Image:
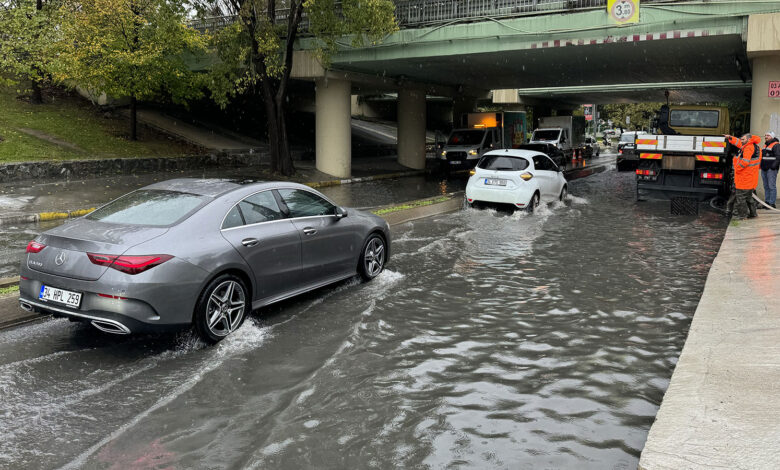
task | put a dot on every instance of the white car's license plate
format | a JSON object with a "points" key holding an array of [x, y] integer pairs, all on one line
{"points": [[455, 162], [60, 296], [495, 182]]}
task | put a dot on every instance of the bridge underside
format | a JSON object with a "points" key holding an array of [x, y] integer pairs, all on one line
{"points": [[693, 69]]}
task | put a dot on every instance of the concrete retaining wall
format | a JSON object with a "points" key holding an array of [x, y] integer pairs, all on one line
{"points": [[82, 168]]}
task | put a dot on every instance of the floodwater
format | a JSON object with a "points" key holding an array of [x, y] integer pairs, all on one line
{"points": [[370, 194], [491, 341]]}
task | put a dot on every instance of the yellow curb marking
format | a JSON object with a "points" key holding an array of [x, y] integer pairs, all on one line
{"points": [[52, 215], [63, 215]]}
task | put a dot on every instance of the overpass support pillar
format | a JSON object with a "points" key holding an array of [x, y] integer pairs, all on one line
{"points": [[763, 48], [411, 128], [333, 129]]}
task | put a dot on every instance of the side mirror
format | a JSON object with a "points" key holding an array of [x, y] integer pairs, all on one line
{"points": [[341, 212]]}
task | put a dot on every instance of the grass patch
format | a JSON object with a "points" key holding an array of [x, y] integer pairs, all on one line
{"points": [[9, 290], [75, 121], [411, 205]]}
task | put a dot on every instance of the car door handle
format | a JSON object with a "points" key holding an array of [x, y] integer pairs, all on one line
{"points": [[309, 231], [249, 242]]}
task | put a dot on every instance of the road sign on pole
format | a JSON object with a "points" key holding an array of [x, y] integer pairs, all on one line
{"points": [[623, 11]]}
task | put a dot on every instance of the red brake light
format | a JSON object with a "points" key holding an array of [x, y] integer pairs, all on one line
{"points": [[35, 247], [128, 264]]}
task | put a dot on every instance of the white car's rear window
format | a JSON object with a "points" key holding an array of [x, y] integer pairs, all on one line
{"points": [[503, 163]]}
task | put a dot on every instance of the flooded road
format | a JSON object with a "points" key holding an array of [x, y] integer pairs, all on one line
{"points": [[491, 341], [371, 194]]}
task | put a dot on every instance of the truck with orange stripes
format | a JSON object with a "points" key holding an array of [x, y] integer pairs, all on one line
{"points": [[687, 156]]}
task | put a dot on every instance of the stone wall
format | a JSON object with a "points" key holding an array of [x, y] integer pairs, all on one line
{"points": [[118, 166]]}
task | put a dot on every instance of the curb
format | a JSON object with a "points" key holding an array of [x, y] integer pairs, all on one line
{"points": [[9, 281], [325, 184], [42, 216]]}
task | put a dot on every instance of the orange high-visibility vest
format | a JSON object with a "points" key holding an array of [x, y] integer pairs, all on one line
{"points": [[746, 162]]}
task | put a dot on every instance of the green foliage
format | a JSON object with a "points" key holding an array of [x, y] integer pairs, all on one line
{"points": [[76, 122], [9, 290], [28, 41], [640, 114], [130, 48], [254, 48]]}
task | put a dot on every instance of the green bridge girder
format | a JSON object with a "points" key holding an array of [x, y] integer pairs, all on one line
{"points": [[555, 52]]}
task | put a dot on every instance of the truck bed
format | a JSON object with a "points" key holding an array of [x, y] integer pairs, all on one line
{"points": [[681, 144]]}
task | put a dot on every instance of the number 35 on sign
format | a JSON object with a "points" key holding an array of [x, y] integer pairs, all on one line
{"points": [[623, 11]]}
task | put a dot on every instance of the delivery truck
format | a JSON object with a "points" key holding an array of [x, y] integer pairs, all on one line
{"points": [[566, 133], [482, 132]]}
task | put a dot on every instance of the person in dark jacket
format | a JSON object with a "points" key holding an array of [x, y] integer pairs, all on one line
{"points": [[770, 163]]}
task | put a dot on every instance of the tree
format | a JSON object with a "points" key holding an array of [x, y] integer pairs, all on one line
{"points": [[28, 38], [131, 48], [257, 50], [640, 114]]}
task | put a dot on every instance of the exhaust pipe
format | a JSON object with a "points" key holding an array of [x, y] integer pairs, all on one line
{"points": [[110, 326], [25, 306]]}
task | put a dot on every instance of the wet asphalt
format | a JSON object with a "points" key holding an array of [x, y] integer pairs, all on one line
{"points": [[72, 194], [492, 340]]}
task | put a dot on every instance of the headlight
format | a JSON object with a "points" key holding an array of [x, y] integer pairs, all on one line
{"points": [[472, 172], [472, 152], [443, 153]]}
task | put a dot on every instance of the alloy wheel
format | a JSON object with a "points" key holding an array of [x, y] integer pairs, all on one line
{"points": [[225, 308], [374, 257]]}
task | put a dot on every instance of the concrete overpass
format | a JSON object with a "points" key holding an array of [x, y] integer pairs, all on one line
{"points": [[553, 53]]}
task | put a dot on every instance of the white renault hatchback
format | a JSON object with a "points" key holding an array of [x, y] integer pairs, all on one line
{"points": [[522, 178]]}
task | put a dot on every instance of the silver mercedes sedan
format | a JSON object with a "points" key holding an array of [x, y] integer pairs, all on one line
{"points": [[198, 252]]}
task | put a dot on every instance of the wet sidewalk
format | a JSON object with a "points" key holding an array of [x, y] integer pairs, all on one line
{"points": [[721, 408]]}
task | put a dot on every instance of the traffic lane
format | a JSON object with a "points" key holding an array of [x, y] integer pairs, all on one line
{"points": [[14, 238], [77, 397], [490, 339]]}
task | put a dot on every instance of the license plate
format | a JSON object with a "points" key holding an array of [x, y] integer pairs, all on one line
{"points": [[495, 182], [455, 162], [60, 296]]}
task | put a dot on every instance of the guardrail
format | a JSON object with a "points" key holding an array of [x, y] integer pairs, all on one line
{"points": [[416, 13], [411, 13]]}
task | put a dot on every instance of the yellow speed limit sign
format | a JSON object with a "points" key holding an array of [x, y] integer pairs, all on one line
{"points": [[623, 11]]}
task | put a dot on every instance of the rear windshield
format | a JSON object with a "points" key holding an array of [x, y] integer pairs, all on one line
{"points": [[546, 135], [149, 207], [626, 137], [503, 163], [694, 118], [466, 137]]}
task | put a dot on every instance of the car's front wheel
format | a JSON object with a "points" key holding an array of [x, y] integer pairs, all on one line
{"points": [[221, 308], [373, 257]]}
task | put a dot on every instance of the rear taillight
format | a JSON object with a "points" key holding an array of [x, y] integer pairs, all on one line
{"points": [[712, 176], [646, 172], [128, 264], [35, 247]]}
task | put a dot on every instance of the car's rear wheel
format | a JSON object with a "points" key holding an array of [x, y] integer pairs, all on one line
{"points": [[563, 193], [534, 203], [221, 308], [373, 257]]}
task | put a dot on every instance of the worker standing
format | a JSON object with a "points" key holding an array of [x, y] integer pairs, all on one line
{"points": [[770, 163], [746, 165]]}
